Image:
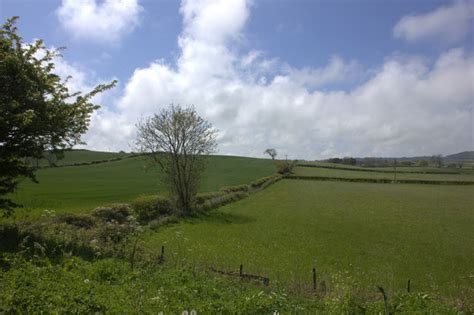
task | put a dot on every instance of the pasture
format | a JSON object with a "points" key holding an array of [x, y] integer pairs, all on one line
{"points": [[357, 235], [412, 175], [81, 188]]}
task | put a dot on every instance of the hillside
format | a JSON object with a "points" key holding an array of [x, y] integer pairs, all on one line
{"points": [[80, 188], [460, 157]]}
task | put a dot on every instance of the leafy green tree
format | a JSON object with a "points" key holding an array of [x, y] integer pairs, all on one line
{"points": [[38, 113], [177, 140]]}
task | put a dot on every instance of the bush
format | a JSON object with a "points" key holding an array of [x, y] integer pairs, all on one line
{"points": [[78, 220], [222, 200], [203, 197], [235, 188], [285, 167], [149, 208], [118, 212], [265, 181]]}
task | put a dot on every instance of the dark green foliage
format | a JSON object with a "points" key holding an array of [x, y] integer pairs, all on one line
{"points": [[150, 208], [37, 111], [78, 220], [118, 212]]}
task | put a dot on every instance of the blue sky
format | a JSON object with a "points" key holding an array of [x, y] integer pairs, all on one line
{"points": [[311, 78]]}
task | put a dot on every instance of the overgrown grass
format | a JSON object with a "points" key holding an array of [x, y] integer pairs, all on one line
{"points": [[81, 188], [356, 235], [111, 286]]}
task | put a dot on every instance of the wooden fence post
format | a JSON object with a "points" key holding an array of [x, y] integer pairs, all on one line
{"points": [[315, 285], [241, 270]]}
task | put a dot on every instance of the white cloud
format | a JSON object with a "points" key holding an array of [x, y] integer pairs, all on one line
{"points": [[100, 21], [406, 107], [446, 23], [336, 71]]}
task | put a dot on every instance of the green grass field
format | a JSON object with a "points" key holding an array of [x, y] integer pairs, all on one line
{"points": [[412, 169], [84, 156], [324, 172], [355, 234], [81, 188]]}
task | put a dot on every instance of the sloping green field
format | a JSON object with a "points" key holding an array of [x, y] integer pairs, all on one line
{"points": [[83, 156], [356, 235], [80, 188]]}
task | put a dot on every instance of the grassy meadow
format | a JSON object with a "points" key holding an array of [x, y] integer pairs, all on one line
{"points": [[356, 234], [81, 188]]}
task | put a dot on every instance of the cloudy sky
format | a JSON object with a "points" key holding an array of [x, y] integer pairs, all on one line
{"points": [[312, 79]]}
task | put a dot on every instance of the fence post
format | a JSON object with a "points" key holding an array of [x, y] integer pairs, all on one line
{"points": [[315, 286], [408, 286], [241, 270], [161, 258]]}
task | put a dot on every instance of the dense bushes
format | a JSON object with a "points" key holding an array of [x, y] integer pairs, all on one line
{"points": [[78, 220], [149, 208], [212, 200], [229, 189], [285, 167], [221, 200], [117, 212], [265, 181]]}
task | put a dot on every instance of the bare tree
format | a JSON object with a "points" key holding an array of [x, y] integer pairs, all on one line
{"points": [[177, 139], [271, 152]]}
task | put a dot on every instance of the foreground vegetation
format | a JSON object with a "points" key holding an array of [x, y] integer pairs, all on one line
{"points": [[111, 286]]}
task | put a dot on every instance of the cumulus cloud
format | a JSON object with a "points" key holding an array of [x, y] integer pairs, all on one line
{"points": [[446, 23], [408, 106], [100, 21]]}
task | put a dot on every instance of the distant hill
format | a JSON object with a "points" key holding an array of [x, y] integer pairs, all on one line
{"points": [[466, 156], [459, 157]]}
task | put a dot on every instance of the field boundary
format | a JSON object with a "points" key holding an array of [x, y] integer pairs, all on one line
{"points": [[376, 171], [380, 180]]}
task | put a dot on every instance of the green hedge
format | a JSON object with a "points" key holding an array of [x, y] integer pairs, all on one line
{"points": [[265, 181], [221, 200], [149, 208], [383, 180], [118, 212], [373, 170], [229, 189]]}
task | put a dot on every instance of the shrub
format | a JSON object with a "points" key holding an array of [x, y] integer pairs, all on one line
{"points": [[164, 220], [203, 197], [77, 220], [149, 208], [222, 200], [235, 188], [265, 181], [118, 212]]}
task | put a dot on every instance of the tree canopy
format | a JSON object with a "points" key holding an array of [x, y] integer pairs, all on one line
{"points": [[177, 139], [38, 113]]}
